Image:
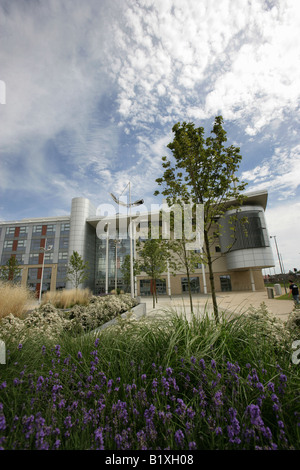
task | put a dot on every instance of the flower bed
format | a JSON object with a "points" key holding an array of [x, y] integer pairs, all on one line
{"points": [[51, 322], [158, 384]]}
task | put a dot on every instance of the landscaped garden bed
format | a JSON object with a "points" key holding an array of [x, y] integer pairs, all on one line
{"points": [[159, 383]]}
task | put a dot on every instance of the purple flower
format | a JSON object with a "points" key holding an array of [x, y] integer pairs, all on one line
{"points": [[79, 355], [192, 445], [2, 418], [179, 438], [99, 438], [68, 422]]}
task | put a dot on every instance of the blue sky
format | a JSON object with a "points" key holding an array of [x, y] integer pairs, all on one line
{"points": [[93, 89]]}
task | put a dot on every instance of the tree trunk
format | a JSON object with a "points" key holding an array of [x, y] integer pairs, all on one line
{"points": [[153, 292], [188, 277], [211, 277]]}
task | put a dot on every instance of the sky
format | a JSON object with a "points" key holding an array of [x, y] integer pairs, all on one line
{"points": [[90, 91]]}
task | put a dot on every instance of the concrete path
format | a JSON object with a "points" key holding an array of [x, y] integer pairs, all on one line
{"points": [[237, 302]]}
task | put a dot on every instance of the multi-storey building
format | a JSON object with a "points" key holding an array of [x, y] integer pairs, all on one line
{"points": [[47, 244]]}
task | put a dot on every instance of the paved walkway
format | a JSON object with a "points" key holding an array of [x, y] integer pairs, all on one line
{"points": [[237, 302]]}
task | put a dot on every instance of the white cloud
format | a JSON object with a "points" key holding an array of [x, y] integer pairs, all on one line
{"points": [[104, 82], [280, 174]]}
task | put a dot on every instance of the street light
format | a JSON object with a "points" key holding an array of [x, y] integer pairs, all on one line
{"points": [[116, 267], [131, 204], [106, 229], [280, 261], [45, 250]]}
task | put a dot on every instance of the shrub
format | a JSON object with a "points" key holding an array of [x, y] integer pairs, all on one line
{"points": [[48, 321], [14, 299]]}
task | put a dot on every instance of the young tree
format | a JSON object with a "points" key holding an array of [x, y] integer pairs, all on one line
{"points": [[182, 258], [77, 269], [204, 172], [154, 256], [11, 270], [125, 270]]}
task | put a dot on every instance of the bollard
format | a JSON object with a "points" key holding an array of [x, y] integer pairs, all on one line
{"points": [[270, 292]]}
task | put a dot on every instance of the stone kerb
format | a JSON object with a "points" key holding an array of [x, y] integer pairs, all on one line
{"points": [[138, 312], [2, 352]]}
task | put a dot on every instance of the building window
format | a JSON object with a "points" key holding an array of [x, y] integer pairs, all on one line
{"points": [[5, 258], [63, 257], [37, 229], [10, 232], [20, 258], [61, 272], [48, 258], [145, 287], [34, 258], [65, 227], [23, 231], [51, 228], [21, 245], [225, 282], [194, 283], [50, 242], [47, 273], [249, 234], [64, 243], [8, 244], [32, 274], [35, 244]]}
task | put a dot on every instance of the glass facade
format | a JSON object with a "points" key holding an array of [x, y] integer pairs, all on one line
{"points": [[225, 282], [123, 249], [194, 283], [249, 234]]}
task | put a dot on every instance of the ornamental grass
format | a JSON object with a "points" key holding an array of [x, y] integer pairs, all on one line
{"points": [[163, 383], [67, 298], [14, 299]]}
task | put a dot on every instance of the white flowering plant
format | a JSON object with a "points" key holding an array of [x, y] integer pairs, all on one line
{"points": [[51, 322]]}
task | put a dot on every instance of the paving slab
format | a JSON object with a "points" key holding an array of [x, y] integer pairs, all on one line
{"points": [[237, 302]]}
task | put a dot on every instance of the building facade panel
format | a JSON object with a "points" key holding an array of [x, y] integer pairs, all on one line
{"points": [[236, 269]]}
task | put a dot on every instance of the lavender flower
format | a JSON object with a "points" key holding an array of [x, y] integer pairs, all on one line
{"points": [[179, 438]]}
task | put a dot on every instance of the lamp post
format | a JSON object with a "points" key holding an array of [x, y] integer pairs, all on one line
{"points": [[45, 250], [280, 261], [106, 229], [116, 265], [131, 204]]}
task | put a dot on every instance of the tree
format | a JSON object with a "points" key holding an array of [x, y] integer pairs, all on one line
{"points": [[125, 270], [77, 269], [11, 270], [183, 259], [154, 257], [204, 172]]}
